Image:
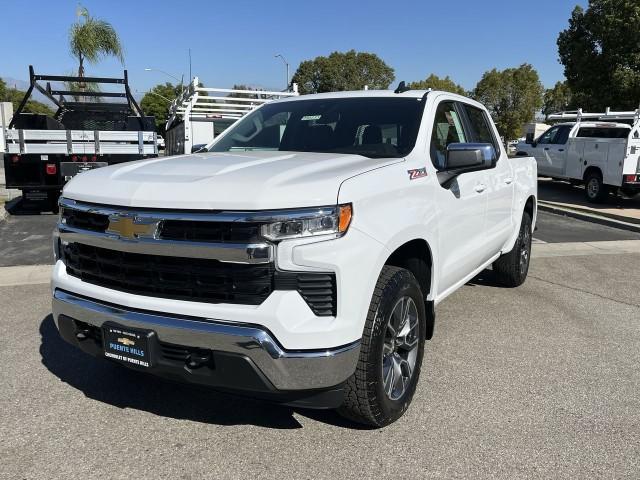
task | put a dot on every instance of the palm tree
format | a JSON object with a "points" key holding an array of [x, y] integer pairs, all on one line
{"points": [[91, 39]]}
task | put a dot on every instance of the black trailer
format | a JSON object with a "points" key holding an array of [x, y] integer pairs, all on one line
{"points": [[90, 129]]}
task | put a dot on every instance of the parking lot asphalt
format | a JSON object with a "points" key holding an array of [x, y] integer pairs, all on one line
{"points": [[535, 382]]}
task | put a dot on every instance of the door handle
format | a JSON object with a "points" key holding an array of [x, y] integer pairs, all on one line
{"points": [[481, 187], [546, 148], [508, 180], [561, 149]]}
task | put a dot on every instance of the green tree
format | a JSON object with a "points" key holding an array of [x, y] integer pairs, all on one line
{"points": [[91, 39], [558, 99], [343, 71], [436, 83], [156, 102], [600, 51], [512, 96], [15, 96]]}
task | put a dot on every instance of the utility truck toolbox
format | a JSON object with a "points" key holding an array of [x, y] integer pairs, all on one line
{"points": [[301, 256]]}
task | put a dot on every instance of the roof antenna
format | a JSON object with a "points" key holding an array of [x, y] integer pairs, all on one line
{"points": [[402, 87]]}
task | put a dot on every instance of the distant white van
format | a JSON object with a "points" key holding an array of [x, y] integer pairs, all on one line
{"points": [[603, 152]]}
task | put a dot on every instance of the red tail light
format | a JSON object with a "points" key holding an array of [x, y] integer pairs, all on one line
{"points": [[630, 178], [74, 158], [51, 169], [15, 158], [84, 158], [94, 158]]}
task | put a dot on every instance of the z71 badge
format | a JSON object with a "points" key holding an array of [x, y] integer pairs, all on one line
{"points": [[417, 173]]}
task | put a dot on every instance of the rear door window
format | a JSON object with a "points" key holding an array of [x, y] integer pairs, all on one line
{"points": [[603, 132], [447, 129], [481, 131]]}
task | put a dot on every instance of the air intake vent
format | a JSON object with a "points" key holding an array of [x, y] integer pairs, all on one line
{"points": [[317, 289]]}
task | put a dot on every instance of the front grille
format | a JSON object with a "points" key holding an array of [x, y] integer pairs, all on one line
{"points": [[94, 222], [175, 230], [192, 279], [202, 231]]}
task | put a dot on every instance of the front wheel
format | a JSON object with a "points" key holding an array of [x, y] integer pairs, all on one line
{"points": [[382, 387], [511, 268]]}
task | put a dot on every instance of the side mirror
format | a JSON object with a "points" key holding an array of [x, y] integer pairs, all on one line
{"points": [[468, 157], [534, 144]]}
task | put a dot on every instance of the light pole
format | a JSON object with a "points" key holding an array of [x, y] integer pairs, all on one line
{"points": [[168, 75], [287, 64]]}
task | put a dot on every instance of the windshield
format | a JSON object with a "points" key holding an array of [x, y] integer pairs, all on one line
{"points": [[370, 126]]}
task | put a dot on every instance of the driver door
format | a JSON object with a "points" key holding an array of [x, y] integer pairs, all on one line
{"points": [[462, 204]]}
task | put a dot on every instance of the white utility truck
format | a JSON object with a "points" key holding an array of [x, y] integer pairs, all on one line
{"points": [[600, 149], [200, 114], [300, 258]]}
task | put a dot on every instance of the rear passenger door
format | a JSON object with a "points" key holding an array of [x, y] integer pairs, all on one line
{"points": [[461, 204]]}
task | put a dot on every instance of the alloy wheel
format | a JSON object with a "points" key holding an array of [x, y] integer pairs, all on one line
{"points": [[400, 348]]}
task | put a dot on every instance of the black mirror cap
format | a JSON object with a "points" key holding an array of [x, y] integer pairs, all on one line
{"points": [[470, 156]]}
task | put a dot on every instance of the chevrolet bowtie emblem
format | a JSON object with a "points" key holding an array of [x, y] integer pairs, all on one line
{"points": [[126, 341], [130, 227]]}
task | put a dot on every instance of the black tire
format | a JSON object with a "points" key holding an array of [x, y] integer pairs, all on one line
{"points": [[511, 268], [595, 190], [366, 400]]}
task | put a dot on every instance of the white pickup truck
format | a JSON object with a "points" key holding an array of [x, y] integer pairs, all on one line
{"points": [[601, 150], [299, 259]]}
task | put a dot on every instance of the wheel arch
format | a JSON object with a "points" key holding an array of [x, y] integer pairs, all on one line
{"points": [[416, 256], [591, 169]]}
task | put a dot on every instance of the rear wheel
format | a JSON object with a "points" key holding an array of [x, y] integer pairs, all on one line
{"points": [[511, 268], [382, 387], [595, 189]]}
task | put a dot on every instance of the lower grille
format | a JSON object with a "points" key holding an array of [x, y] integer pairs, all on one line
{"points": [[199, 280], [196, 280]]}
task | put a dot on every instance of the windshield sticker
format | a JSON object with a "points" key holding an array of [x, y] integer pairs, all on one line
{"points": [[417, 173], [311, 117]]}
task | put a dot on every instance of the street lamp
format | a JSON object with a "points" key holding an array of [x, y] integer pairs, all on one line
{"points": [[287, 64]]}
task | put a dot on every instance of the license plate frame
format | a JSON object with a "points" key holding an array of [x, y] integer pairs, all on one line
{"points": [[129, 346]]}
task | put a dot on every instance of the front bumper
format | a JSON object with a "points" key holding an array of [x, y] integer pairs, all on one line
{"points": [[244, 357]]}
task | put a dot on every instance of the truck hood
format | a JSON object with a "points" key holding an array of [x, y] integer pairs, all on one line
{"points": [[223, 181]]}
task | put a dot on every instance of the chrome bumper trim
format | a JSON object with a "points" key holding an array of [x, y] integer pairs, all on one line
{"points": [[286, 370], [252, 253]]}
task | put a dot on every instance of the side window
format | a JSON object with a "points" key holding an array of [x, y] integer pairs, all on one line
{"points": [[480, 126], [447, 128], [562, 136], [548, 136]]}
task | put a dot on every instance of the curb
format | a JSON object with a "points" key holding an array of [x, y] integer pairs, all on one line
{"points": [[606, 220]]}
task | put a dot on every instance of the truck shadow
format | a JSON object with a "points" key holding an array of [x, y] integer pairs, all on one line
{"points": [[105, 382], [485, 278], [19, 206]]}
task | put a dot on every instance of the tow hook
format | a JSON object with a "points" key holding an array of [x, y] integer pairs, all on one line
{"points": [[82, 334], [196, 360]]}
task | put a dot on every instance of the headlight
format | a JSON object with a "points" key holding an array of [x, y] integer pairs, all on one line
{"points": [[309, 222]]}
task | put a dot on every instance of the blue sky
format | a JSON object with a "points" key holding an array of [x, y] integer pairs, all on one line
{"points": [[235, 42]]}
